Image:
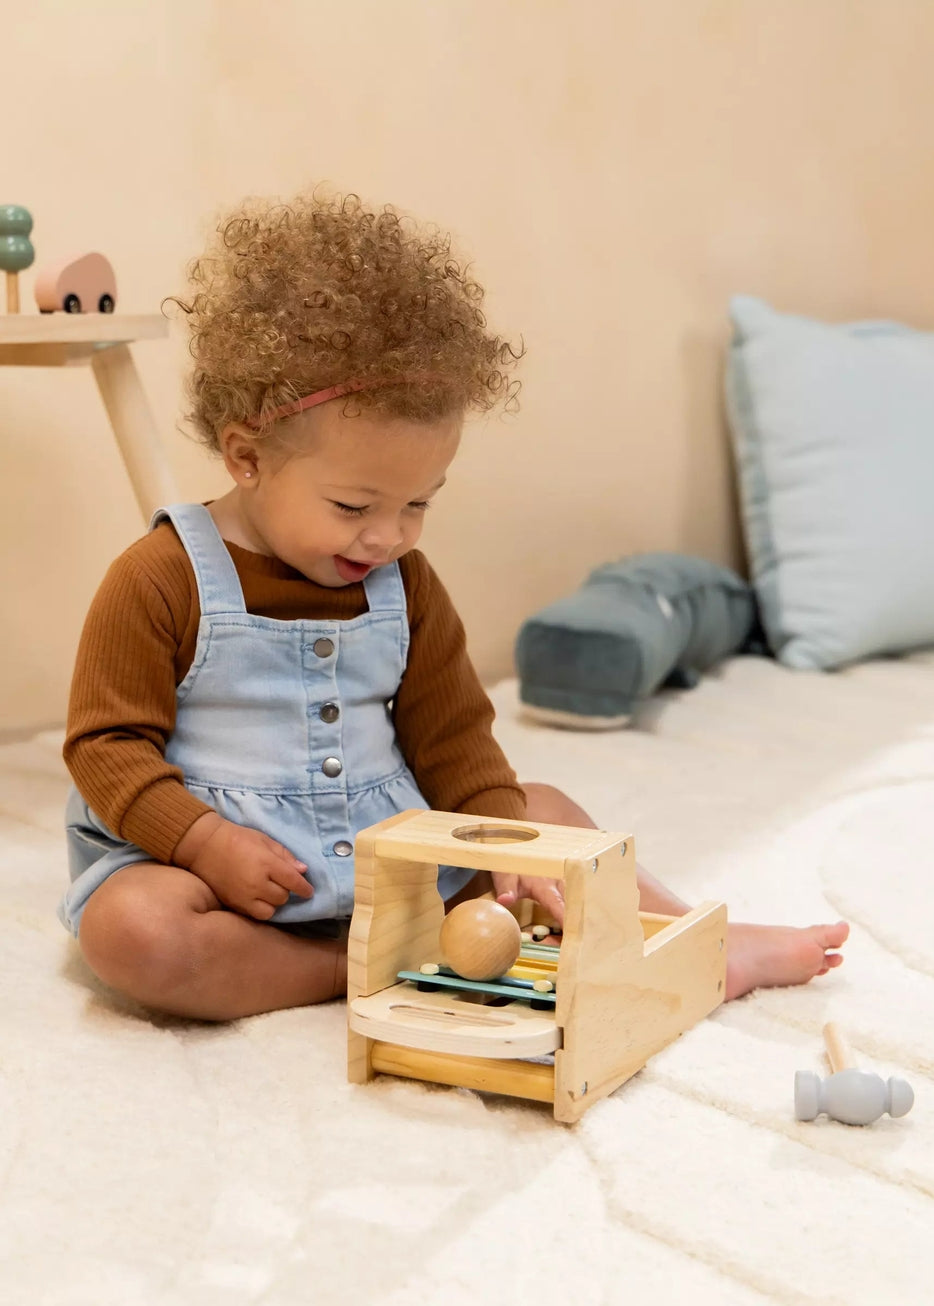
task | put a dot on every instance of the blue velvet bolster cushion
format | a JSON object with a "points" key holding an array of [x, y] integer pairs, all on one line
{"points": [[631, 626]]}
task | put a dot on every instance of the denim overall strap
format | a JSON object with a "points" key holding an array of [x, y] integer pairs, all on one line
{"points": [[219, 589], [385, 592]]}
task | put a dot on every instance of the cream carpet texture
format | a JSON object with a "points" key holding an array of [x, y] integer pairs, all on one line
{"points": [[155, 1161]]}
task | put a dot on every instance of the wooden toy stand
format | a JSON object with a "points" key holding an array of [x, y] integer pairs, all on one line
{"points": [[102, 340], [626, 984]]}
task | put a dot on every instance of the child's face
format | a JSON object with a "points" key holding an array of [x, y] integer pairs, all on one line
{"points": [[352, 496]]}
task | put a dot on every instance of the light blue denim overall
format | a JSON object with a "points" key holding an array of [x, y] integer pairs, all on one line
{"points": [[284, 726]]}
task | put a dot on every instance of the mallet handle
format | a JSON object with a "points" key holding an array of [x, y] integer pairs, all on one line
{"points": [[838, 1051]]}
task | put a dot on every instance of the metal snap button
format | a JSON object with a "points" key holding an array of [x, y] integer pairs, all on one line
{"points": [[332, 766], [323, 647], [329, 712], [343, 848]]}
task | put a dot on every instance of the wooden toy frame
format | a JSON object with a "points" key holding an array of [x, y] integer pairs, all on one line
{"points": [[627, 983]]}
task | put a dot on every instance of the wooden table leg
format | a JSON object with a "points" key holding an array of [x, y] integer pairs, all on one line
{"points": [[134, 428]]}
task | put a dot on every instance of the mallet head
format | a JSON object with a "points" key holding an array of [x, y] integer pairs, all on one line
{"points": [[854, 1097]]}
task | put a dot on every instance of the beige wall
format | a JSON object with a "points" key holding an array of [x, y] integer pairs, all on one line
{"points": [[616, 170]]}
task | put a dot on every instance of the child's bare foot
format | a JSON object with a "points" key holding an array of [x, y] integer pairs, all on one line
{"points": [[770, 956]]}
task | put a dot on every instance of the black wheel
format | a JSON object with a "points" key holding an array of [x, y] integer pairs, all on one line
{"points": [[71, 304], [105, 304]]}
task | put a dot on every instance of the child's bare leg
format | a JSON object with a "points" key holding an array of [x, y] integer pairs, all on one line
{"points": [[758, 956], [159, 935]]}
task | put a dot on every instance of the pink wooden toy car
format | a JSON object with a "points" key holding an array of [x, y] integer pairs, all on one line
{"points": [[77, 285]]}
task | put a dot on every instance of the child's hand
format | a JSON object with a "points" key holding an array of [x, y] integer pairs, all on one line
{"points": [[246, 869], [547, 893]]}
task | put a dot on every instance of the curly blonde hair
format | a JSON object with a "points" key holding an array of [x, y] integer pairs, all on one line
{"points": [[293, 298]]}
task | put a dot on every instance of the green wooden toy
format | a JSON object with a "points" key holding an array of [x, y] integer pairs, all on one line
{"points": [[16, 251]]}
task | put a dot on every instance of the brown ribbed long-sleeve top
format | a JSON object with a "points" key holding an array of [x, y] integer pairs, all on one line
{"points": [[138, 643]]}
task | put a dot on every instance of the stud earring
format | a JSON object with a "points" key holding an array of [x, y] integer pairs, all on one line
{"points": [[247, 475]]}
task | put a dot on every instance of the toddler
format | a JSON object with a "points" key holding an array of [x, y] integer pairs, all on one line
{"points": [[261, 677]]}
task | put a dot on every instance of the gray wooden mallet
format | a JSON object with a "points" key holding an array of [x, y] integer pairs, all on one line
{"points": [[850, 1095]]}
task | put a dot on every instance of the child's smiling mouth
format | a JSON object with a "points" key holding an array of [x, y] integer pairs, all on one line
{"points": [[349, 570]]}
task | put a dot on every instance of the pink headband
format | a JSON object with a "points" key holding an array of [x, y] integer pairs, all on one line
{"points": [[296, 406]]}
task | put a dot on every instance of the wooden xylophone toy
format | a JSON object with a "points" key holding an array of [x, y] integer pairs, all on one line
{"points": [[563, 1025]]}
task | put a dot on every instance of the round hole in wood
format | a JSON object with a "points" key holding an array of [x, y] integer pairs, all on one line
{"points": [[494, 833]]}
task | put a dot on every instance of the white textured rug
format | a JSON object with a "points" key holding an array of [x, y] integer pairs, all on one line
{"points": [[172, 1164]]}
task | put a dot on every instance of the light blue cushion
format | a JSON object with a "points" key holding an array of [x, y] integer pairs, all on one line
{"points": [[833, 429]]}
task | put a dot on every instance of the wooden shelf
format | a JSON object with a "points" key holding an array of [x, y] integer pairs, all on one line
{"points": [[103, 340], [67, 339], [80, 328]]}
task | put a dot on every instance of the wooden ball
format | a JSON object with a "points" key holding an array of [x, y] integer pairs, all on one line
{"points": [[480, 939]]}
